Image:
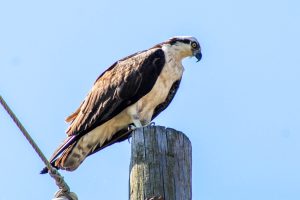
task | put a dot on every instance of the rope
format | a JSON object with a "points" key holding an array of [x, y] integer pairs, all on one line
{"points": [[64, 190]]}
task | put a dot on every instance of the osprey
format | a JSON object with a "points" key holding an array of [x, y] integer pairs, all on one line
{"points": [[128, 95]]}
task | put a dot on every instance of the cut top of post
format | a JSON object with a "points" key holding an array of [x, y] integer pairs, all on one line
{"points": [[161, 164]]}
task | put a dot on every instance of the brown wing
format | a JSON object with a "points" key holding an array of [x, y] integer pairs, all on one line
{"points": [[120, 86], [125, 134]]}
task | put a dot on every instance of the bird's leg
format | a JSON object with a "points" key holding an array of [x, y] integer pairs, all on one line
{"points": [[138, 124], [136, 121]]}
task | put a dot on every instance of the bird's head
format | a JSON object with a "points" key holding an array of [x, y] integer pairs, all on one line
{"points": [[183, 46]]}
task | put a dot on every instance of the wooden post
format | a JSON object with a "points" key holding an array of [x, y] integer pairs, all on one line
{"points": [[161, 164]]}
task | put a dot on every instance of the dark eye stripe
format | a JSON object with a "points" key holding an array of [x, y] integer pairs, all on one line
{"points": [[174, 40], [186, 41]]}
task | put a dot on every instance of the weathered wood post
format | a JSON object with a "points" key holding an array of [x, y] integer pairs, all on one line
{"points": [[161, 164]]}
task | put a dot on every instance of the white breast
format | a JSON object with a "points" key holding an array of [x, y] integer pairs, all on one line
{"points": [[171, 72]]}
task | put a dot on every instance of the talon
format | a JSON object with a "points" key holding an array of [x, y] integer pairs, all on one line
{"points": [[131, 127], [152, 124]]}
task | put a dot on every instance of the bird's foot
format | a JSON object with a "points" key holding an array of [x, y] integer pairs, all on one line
{"points": [[152, 124], [131, 127]]}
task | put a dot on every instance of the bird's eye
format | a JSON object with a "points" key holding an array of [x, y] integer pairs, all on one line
{"points": [[194, 45]]}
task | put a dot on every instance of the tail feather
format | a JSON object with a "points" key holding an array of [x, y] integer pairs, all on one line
{"points": [[62, 150], [45, 170]]}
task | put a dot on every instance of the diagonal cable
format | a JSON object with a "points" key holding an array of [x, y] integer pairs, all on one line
{"points": [[63, 186]]}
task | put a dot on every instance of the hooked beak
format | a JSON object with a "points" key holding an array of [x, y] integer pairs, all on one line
{"points": [[198, 54]]}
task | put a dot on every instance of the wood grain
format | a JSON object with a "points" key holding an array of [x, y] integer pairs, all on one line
{"points": [[161, 164]]}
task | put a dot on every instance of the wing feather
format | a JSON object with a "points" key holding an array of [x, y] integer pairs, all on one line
{"points": [[120, 86], [117, 88]]}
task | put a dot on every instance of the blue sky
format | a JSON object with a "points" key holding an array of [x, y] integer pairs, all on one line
{"points": [[239, 106]]}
